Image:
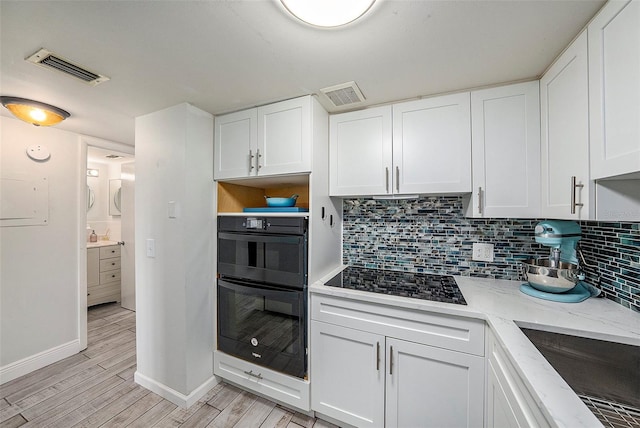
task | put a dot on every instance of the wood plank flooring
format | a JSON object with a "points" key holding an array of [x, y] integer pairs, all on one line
{"points": [[96, 389]]}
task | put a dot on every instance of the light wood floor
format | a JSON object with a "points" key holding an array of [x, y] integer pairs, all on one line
{"points": [[96, 389]]}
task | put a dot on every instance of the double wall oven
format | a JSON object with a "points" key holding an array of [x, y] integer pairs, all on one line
{"points": [[262, 291]]}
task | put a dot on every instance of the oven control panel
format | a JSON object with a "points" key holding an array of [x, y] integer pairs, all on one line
{"points": [[255, 223]]}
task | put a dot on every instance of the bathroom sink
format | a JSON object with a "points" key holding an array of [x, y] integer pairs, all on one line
{"points": [[605, 375]]}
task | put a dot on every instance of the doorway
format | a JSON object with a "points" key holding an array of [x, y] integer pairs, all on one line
{"points": [[109, 216]]}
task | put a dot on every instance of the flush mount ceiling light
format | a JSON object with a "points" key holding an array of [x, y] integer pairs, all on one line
{"points": [[327, 13], [34, 112]]}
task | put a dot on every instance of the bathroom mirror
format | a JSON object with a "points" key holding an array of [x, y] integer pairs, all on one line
{"points": [[91, 198], [114, 197]]}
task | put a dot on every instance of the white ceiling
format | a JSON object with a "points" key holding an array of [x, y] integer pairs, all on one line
{"points": [[223, 56]]}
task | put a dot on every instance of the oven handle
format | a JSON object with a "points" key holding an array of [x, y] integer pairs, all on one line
{"points": [[283, 239], [269, 290]]}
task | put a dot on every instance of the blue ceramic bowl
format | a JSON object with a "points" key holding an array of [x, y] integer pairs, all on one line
{"points": [[281, 202]]}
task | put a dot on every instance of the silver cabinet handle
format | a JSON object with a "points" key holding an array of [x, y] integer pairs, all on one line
{"points": [[387, 178], [480, 200], [258, 156], [397, 178], [378, 356], [251, 373], [251, 156], [574, 186], [391, 360]]}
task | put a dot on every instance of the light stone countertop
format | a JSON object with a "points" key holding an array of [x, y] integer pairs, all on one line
{"points": [[101, 244], [501, 304]]}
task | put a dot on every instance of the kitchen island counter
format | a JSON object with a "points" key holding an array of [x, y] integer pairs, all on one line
{"points": [[505, 309]]}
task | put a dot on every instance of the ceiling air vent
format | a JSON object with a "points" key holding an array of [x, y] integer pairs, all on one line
{"points": [[344, 94], [51, 60]]}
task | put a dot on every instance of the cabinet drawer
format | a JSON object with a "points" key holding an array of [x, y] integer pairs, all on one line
{"points": [[103, 294], [428, 328], [110, 251], [269, 383], [112, 276], [109, 264]]}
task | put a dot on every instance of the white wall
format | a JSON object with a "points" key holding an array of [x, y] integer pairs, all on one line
{"points": [[39, 265], [174, 289]]}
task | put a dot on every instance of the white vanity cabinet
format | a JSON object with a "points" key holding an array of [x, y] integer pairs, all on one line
{"points": [[508, 403], [614, 89], [269, 140], [415, 147], [375, 365], [103, 274], [506, 151], [567, 191]]}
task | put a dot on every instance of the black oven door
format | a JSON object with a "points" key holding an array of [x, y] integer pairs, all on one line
{"points": [[274, 259], [264, 325]]}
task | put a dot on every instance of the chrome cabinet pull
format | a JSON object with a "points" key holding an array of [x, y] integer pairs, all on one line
{"points": [[251, 156], [387, 178], [574, 186], [480, 200], [391, 360], [378, 356], [258, 156], [251, 373], [397, 178]]}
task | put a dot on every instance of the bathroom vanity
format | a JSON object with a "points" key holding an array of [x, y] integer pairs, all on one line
{"points": [[103, 272]]}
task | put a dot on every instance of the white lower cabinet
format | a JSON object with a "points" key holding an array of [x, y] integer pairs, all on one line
{"points": [[347, 374], [508, 402], [386, 373], [263, 381]]}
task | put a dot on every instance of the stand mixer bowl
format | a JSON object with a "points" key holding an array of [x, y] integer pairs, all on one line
{"points": [[542, 276]]}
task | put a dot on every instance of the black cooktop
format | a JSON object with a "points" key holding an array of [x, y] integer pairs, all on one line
{"points": [[439, 288]]}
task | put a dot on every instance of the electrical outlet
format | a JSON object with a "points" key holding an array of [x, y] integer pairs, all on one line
{"points": [[482, 252]]}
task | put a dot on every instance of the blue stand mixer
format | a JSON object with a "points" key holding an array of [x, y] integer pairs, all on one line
{"points": [[557, 277]]}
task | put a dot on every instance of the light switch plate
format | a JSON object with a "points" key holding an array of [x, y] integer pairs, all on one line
{"points": [[151, 248], [482, 252]]}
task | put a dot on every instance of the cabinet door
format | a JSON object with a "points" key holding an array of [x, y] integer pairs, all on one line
{"points": [[347, 374], [564, 98], [432, 145], [506, 151], [360, 152], [235, 144], [93, 266], [614, 89], [499, 410], [432, 387], [284, 137]]}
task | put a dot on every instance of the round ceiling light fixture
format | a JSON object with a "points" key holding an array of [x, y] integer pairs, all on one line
{"points": [[34, 112], [327, 13]]}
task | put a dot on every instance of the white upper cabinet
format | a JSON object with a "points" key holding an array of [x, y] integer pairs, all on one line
{"points": [[264, 141], [432, 145], [567, 192], [284, 137], [506, 151], [418, 147], [360, 152], [614, 89], [236, 141]]}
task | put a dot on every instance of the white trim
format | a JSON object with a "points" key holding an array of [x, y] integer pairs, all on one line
{"points": [[34, 362], [184, 401], [82, 247]]}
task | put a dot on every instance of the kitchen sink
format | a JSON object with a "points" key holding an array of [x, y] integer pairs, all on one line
{"points": [[605, 375]]}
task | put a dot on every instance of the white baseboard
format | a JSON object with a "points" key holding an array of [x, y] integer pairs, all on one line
{"points": [[34, 362], [177, 398]]}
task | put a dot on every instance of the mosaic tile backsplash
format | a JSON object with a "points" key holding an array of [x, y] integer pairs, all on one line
{"points": [[431, 235]]}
